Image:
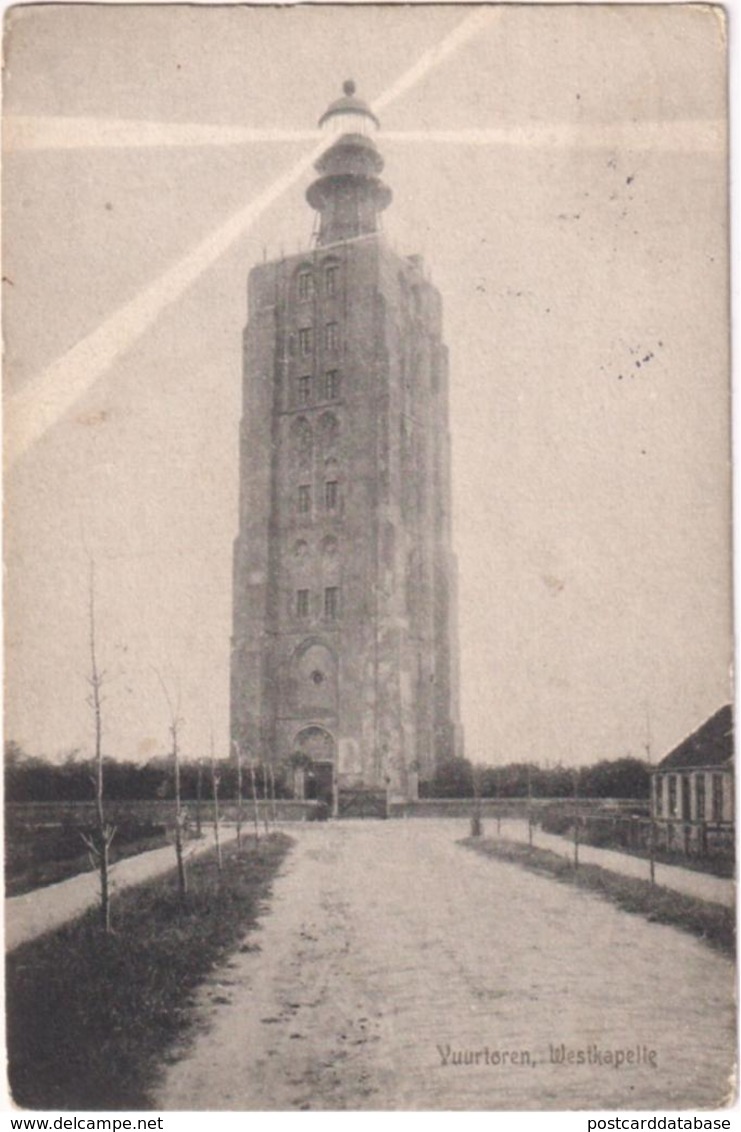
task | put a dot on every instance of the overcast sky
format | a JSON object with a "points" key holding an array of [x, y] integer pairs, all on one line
{"points": [[561, 169]]}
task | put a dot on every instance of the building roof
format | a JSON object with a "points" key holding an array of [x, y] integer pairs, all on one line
{"points": [[710, 746]]}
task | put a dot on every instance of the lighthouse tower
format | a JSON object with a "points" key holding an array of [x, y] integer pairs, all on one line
{"points": [[344, 649]]}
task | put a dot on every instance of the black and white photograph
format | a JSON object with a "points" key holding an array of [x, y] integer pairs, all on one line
{"points": [[368, 658]]}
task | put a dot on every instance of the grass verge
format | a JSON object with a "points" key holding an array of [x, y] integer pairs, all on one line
{"points": [[90, 1017], [712, 923]]}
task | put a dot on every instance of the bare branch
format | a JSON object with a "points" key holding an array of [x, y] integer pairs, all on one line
{"points": [[180, 817]]}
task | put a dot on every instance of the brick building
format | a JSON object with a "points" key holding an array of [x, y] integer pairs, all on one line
{"points": [[344, 653]]}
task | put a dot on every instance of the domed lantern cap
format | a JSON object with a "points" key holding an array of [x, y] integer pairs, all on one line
{"points": [[349, 105]]}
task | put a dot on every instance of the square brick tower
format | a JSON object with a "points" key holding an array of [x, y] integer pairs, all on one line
{"points": [[344, 658]]}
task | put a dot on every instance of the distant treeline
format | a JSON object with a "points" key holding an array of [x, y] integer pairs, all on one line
{"points": [[609, 778], [29, 778]]}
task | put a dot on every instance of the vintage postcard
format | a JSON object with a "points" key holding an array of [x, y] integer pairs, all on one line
{"points": [[368, 709]]}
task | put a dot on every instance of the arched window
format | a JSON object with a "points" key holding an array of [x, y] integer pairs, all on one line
{"points": [[331, 280], [302, 442], [304, 390], [329, 431], [316, 743], [304, 499], [305, 283], [331, 495], [331, 603], [314, 672], [332, 384]]}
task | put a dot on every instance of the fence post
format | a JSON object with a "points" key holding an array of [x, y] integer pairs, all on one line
{"points": [[529, 807], [476, 823], [199, 776], [499, 801], [576, 819]]}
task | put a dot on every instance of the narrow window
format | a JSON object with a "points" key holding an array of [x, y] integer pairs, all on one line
{"points": [[331, 337], [332, 384], [304, 499], [700, 796], [302, 603], [304, 390], [331, 603], [658, 792], [331, 495], [305, 341], [331, 277], [305, 285], [672, 795], [717, 797]]}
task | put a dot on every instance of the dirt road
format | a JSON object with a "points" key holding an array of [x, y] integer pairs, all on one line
{"points": [[397, 970]]}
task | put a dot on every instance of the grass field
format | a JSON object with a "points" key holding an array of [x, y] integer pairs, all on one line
{"points": [[90, 1017]]}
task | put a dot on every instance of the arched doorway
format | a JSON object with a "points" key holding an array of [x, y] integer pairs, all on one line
{"points": [[315, 753]]}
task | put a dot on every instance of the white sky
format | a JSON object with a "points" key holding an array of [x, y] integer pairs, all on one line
{"points": [[578, 228]]}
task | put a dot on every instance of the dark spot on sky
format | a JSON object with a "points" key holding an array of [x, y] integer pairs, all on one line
{"points": [[108, 206], [7, 279], [629, 180]]}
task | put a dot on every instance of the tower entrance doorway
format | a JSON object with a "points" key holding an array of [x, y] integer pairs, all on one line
{"points": [[318, 759]]}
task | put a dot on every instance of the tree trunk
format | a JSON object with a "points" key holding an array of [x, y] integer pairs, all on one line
{"points": [[239, 796], [199, 777], [255, 807], [272, 795], [215, 794], [105, 833], [266, 811]]}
